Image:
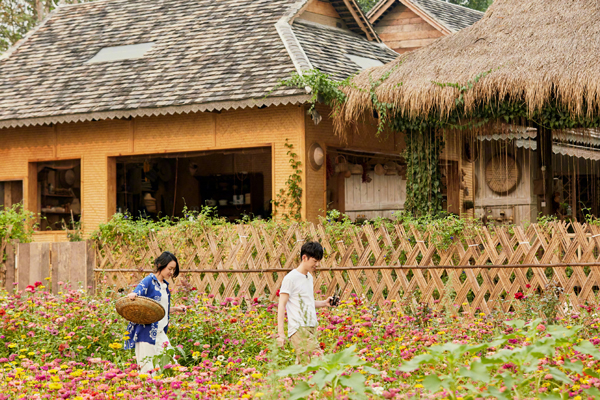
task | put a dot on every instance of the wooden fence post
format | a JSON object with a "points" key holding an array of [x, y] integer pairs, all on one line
{"points": [[9, 266]]}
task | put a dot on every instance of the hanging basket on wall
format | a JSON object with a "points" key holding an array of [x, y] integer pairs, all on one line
{"points": [[502, 173]]}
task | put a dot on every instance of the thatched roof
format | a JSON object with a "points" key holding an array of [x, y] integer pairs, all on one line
{"points": [[537, 49]]}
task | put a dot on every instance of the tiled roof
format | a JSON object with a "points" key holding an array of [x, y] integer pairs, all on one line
{"points": [[207, 54], [326, 48], [453, 17]]}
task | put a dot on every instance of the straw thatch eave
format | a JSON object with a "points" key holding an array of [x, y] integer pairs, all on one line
{"points": [[539, 52]]}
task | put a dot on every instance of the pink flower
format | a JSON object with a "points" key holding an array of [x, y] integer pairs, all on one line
{"points": [[540, 328]]}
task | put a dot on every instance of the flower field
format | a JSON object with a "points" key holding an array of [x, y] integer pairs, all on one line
{"points": [[70, 346]]}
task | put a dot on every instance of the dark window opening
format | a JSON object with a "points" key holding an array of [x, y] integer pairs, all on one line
{"points": [[59, 194], [236, 183]]}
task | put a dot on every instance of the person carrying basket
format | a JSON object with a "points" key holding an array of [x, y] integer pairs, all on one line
{"points": [[151, 339]]}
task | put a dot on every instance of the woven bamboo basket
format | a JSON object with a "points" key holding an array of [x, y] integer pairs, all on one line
{"points": [[502, 174], [141, 310]]}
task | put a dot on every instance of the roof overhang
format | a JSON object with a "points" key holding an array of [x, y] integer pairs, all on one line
{"points": [[385, 5], [149, 112]]}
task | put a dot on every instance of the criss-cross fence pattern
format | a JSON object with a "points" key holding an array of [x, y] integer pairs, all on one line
{"points": [[482, 269]]}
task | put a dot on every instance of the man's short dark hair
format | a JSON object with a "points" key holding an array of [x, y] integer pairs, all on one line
{"points": [[312, 250]]}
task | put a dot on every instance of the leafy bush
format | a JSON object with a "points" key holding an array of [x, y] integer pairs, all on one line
{"points": [[16, 223]]}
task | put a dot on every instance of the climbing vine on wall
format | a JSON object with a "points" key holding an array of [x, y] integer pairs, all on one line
{"points": [[288, 204], [423, 175]]}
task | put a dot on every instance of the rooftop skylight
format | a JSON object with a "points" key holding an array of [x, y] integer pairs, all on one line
{"points": [[364, 62], [118, 53]]}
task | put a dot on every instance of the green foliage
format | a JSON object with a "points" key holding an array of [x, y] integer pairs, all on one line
{"points": [[511, 372], [323, 89], [16, 223], [366, 5], [17, 17], [289, 199], [441, 229], [166, 360], [423, 175], [330, 373]]}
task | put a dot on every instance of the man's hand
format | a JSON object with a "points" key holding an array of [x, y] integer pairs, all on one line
{"points": [[132, 295], [281, 341]]}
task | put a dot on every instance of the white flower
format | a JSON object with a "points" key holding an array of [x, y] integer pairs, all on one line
{"points": [[378, 390], [221, 358]]}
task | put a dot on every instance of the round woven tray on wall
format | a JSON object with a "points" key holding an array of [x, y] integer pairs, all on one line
{"points": [[502, 173], [141, 310]]}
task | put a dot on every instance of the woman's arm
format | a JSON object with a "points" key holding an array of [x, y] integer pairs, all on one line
{"points": [[141, 289]]}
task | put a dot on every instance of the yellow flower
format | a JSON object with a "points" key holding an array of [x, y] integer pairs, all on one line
{"points": [[418, 386], [259, 394], [54, 386]]}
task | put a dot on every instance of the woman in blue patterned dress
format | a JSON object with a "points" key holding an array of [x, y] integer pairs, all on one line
{"points": [[150, 340]]}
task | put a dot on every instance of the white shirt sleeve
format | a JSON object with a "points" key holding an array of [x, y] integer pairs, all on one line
{"points": [[286, 285]]}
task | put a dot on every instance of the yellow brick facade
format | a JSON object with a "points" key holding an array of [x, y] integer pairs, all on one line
{"points": [[96, 143]]}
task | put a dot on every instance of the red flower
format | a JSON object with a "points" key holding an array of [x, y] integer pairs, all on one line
{"points": [[255, 300], [277, 293], [233, 320], [38, 284], [322, 345], [519, 295], [528, 286], [62, 347], [192, 289], [30, 288]]}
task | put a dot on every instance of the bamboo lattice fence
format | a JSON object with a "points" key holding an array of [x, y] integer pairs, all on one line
{"points": [[481, 270]]}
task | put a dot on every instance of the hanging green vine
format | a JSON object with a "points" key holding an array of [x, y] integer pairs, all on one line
{"points": [[423, 175], [424, 145], [289, 199]]}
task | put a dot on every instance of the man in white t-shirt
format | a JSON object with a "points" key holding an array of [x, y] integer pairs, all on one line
{"points": [[296, 296]]}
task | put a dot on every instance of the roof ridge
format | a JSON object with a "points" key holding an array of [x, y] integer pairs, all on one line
{"points": [[289, 39], [328, 27], [461, 6]]}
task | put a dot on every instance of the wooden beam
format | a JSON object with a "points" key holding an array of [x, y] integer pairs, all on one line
{"points": [[366, 268], [382, 10], [426, 17], [371, 35]]}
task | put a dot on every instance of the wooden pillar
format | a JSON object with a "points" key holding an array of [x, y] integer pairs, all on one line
{"points": [[544, 151], [574, 197]]}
